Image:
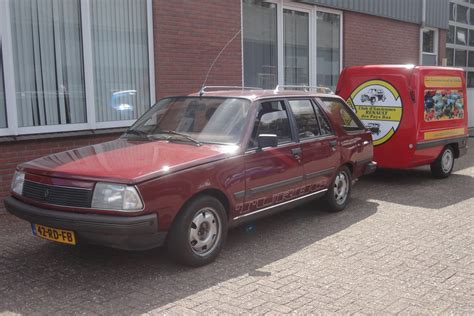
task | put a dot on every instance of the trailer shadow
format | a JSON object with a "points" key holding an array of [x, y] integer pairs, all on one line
{"points": [[417, 187], [45, 277]]}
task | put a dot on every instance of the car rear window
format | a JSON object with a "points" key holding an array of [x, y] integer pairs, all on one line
{"points": [[342, 114]]}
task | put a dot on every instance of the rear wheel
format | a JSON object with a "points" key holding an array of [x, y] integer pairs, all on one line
{"points": [[444, 164], [339, 191], [198, 232]]}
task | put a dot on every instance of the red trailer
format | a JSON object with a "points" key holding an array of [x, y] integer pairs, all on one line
{"points": [[420, 113]]}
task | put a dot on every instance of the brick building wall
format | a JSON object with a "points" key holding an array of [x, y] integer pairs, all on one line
{"points": [[375, 40], [16, 152], [188, 37]]}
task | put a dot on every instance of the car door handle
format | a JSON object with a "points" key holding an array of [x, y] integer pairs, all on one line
{"points": [[333, 143], [296, 152]]}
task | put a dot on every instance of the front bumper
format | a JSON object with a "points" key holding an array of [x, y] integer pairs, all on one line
{"points": [[129, 233]]}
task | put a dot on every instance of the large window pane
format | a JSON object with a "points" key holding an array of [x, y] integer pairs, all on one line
{"points": [[450, 56], [470, 59], [470, 79], [260, 44], [328, 49], [48, 62], [471, 37], [296, 39], [3, 111], [450, 35], [461, 36], [428, 41], [120, 59], [429, 60], [460, 58], [461, 14]]}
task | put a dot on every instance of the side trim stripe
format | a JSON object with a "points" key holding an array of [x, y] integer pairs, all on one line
{"points": [[268, 187], [423, 145], [280, 204], [239, 195], [319, 173]]}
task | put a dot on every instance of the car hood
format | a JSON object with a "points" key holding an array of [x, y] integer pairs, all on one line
{"points": [[127, 161]]}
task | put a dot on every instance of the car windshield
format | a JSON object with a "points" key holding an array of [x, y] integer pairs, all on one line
{"points": [[194, 119]]}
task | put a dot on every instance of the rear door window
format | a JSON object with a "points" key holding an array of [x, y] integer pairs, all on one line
{"points": [[305, 117]]}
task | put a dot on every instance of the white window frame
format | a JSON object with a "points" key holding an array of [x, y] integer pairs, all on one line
{"points": [[9, 75], [312, 11], [435, 43]]}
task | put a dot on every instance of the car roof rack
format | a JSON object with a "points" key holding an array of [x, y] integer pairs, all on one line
{"points": [[318, 89], [203, 89]]}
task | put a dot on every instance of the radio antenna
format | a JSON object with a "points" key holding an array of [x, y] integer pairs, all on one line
{"points": [[217, 57]]}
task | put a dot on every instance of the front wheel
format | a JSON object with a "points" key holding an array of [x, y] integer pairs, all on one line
{"points": [[198, 232], [339, 191], [444, 164]]}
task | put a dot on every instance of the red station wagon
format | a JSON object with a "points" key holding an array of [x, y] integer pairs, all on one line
{"points": [[193, 166]]}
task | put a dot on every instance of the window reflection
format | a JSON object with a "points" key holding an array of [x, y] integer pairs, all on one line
{"points": [[296, 37], [328, 49], [260, 44]]}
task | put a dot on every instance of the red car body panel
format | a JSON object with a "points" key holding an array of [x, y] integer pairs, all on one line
{"points": [[124, 161], [406, 147]]}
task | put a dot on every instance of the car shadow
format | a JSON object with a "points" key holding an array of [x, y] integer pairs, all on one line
{"points": [[417, 187], [45, 277]]}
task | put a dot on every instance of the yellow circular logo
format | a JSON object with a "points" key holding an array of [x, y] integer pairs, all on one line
{"points": [[378, 104]]}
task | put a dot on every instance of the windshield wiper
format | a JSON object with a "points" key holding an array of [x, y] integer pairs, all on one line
{"points": [[137, 132], [196, 142]]}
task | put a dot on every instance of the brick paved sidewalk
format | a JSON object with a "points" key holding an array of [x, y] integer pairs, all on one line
{"points": [[405, 244]]}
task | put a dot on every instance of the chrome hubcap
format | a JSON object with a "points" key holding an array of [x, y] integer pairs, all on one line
{"points": [[447, 161], [341, 188], [204, 231]]}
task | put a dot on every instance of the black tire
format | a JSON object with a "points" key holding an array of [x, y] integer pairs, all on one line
{"points": [[443, 165], [331, 201], [179, 242]]}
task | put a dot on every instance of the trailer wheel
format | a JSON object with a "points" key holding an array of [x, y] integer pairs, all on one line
{"points": [[443, 165]]}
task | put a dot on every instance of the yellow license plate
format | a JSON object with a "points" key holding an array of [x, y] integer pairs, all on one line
{"points": [[54, 234]]}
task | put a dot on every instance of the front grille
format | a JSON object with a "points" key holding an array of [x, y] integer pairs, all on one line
{"points": [[57, 195]]}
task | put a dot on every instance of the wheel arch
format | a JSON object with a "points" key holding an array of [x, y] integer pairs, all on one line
{"points": [[455, 147], [213, 192], [350, 166]]}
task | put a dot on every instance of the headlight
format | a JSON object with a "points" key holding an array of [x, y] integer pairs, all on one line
{"points": [[17, 182], [117, 197]]}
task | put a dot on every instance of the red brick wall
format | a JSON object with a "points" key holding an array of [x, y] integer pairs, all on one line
{"points": [[376, 40], [14, 153], [188, 36]]}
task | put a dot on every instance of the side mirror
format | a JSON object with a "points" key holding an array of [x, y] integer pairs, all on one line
{"points": [[267, 140]]}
